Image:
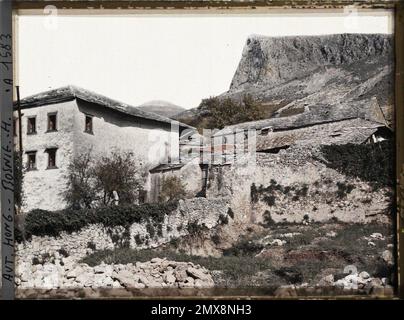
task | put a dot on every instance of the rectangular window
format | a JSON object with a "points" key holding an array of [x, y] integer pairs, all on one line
{"points": [[52, 122], [31, 128], [51, 158], [31, 160], [89, 124]]}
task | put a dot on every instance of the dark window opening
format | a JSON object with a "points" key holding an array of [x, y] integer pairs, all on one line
{"points": [[31, 163], [52, 122], [51, 158], [31, 125], [89, 124]]}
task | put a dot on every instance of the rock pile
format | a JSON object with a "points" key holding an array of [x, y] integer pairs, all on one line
{"points": [[355, 283], [156, 273], [362, 282]]}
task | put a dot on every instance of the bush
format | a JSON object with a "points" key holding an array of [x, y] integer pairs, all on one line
{"points": [[373, 163], [196, 229], [344, 189], [104, 181], [218, 113], [216, 239], [64, 253], [91, 245], [244, 247], [47, 223], [268, 221], [172, 189], [233, 268]]}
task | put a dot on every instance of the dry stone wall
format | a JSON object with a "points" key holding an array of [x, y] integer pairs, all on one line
{"points": [[294, 186], [197, 211]]}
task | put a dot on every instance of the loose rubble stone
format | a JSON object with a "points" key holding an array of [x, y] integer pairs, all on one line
{"points": [[157, 273], [387, 256]]}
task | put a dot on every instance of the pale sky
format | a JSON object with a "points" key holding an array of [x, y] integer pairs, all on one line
{"points": [[178, 58]]}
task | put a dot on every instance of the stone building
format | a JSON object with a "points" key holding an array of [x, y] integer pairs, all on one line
{"points": [[64, 123]]}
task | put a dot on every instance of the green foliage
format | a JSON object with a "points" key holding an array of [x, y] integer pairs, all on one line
{"points": [[92, 182], [233, 267], [219, 113], [216, 239], [172, 189], [373, 163], [244, 247], [64, 253], [138, 239], [268, 221], [150, 229], [196, 229], [47, 223], [344, 189], [268, 194], [91, 245], [254, 193]]}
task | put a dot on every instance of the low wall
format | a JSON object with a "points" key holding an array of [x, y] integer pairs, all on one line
{"points": [[190, 214]]}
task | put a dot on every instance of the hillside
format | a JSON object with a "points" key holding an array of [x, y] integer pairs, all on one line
{"points": [[351, 73], [162, 108]]}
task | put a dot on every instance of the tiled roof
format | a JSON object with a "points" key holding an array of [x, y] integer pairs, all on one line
{"points": [[72, 92]]}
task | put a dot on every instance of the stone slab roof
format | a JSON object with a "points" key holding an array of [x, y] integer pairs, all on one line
{"points": [[73, 92], [354, 131], [167, 167]]}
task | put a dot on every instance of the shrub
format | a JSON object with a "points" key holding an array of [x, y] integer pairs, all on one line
{"points": [[370, 162], [254, 193], [150, 230], [64, 253], [172, 189], [268, 221], [52, 223], [344, 189], [196, 229], [104, 181], [243, 247], [216, 239], [269, 200], [219, 113], [138, 239]]}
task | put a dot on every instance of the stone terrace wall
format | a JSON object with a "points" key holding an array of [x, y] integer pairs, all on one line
{"points": [[196, 211], [294, 185]]}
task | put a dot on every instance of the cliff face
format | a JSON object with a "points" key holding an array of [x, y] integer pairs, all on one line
{"points": [[298, 74], [273, 61]]}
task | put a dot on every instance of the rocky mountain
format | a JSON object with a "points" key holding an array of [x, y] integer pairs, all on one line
{"points": [[162, 108], [352, 74]]}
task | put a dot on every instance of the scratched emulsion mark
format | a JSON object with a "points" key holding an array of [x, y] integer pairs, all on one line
{"points": [[7, 145]]}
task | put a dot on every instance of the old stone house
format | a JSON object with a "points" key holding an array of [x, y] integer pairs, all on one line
{"points": [[64, 123], [203, 158]]}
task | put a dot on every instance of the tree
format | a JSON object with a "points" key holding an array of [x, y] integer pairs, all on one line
{"points": [[223, 112], [80, 187], [104, 180], [172, 188], [120, 173]]}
